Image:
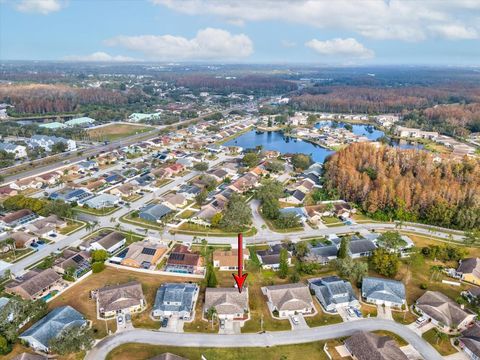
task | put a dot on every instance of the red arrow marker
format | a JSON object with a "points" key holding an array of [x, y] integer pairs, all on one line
{"points": [[240, 279]]}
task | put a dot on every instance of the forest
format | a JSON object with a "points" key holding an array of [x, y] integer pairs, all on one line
{"points": [[389, 183], [375, 100]]}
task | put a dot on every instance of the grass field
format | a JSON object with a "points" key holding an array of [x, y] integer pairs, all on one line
{"points": [[444, 347], [78, 295], [310, 351], [116, 131], [71, 227]]}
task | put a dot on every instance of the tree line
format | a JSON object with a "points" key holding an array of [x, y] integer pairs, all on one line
{"points": [[389, 183]]}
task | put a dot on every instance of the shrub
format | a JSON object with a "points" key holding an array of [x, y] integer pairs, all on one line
{"points": [[98, 267]]}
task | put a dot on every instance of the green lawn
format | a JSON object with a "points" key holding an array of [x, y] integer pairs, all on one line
{"points": [[200, 230], [443, 346], [140, 222], [71, 227], [322, 318], [310, 351], [186, 214], [10, 256], [331, 221], [97, 212]]}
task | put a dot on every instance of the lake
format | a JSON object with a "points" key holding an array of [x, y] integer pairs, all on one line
{"points": [[275, 140]]}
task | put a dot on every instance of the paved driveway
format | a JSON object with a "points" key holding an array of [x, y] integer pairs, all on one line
{"points": [[384, 312], [302, 324], [102, 348]]}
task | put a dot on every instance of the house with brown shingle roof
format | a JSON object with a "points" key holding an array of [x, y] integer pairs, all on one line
{"points": [[228, 302], [364, 345], [19, 217], [470, 341], [289, 299], [143, 254], [23, 239], [445, 313], [34, 284], [121, 298], [226, 260], [183, 260]]}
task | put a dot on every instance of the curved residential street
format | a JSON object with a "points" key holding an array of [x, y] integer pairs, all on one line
{"points": [[106, 345]]}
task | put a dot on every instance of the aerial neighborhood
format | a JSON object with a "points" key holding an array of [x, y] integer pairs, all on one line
{"points": [[166, 210]]}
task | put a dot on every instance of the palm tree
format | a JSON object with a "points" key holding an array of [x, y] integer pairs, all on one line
{"points": [[440, 336], [211, 314], [13, 246]]}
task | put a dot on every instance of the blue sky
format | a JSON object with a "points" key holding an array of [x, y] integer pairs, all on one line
{"points": [[435, 32]]}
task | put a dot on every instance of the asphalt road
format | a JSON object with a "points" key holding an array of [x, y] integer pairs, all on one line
{"points": [[276, 338]]}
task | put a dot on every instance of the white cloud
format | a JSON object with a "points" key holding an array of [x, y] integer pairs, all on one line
{"points": [[377, 19], [349, 47], [288, 43], [99, 57], [208, 44], [43, 7], [453, 31]]}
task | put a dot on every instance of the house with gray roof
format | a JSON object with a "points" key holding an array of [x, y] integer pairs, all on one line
{"points": [[470, 341], [174, 299], [333, 293], [383, 291], [51, 326], [364, 345], [322, 254], [289, 299], [228, 302], [102, 201], [122, 298], [442, 311], [154, 212], [360, 248]]}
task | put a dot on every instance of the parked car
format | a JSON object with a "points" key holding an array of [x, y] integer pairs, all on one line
{"points": [[164, 322], [222, 323], [128, 317], [34, 245], [421, 321], [295, 320], [120, 320]]}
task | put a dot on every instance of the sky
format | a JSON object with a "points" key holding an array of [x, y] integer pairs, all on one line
{"points": [[340, 32]]}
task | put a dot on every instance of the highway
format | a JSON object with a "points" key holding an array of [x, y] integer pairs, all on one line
{"points": [[276, 338]]}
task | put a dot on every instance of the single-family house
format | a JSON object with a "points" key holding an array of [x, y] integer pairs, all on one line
{"points": [[333, 293], [110, 242], [228, 303], [175, 299], [383, 291], [289, 299], [360, 248], [73, 263], [469, 270], [124, 190], [122, 298], [270, 258], [442, 311], [19, 151], [51, 326], [175, 201], [470, 341], [16, 218], [226, 260], [154, 212], [46, 226], [183, 260], [143, 254], [34, 284], [23, 239], [102, 201], [364, 345]]}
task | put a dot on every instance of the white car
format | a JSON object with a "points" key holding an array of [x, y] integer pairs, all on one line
{"points": [[120, 320], [420, 321], [295, 320]]}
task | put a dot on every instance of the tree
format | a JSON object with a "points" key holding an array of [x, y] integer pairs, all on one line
{"points": [[98, 267], [237, 215], [5, 346], [72, 340], [275, 166], [201, 166], [472, 237], [271, 208], [391, 240], [201, 197], [215, 220], [270, 189], [355, 271], [283, 267], [343, 251], [288, 221], [250, 159], [385, 262], [99, 255], [211, 277], [301, 161], [302, 249]]}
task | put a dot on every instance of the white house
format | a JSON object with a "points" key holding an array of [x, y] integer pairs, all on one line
{"points": [[19, 151]]}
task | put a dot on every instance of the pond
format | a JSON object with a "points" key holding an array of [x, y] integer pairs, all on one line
{"points": [[276, 140]]}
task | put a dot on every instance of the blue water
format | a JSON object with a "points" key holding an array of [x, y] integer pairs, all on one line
{"points": [[275, 140], [368, 131]]}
